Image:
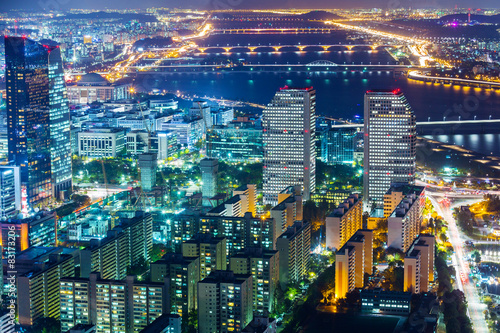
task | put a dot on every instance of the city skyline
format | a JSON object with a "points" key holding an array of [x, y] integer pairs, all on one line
{"points": [[222, 169]]}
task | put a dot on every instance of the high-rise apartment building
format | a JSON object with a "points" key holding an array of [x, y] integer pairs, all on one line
{"points": [[264, 267], [114, 306], [241, 232], [389, 143], [294, 247], [211, 251], [403, 224], [289, 139], [288, 210], [182, 273], [344, 221], [353, 260], [224, 302], [38, 117], [38, 295], [419, 265], [127, 244], [248, 193]]}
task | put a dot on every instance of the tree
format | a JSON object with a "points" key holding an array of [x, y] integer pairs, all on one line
{"points": [[477, 257], [190, 325], [46, 325]]}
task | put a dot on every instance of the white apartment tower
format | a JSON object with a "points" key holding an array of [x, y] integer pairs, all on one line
{"points": [[289, 136], [390, 137]]}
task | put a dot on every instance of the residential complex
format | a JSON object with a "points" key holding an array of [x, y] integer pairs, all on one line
{"points": [[352, 262], [344, 221], [294, 247], [224, 302], [405, 221], [264, 267], [419, 265]]}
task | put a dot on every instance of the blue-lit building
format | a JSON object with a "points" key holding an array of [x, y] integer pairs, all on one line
{"points": [[38, 118], [237, 142], [338, 145]]}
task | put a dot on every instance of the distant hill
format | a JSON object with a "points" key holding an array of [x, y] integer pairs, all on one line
{"points": [[473, 17], [106, 15], [320, 15]]}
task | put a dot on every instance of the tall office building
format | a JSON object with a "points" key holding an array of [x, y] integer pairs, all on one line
{"points": [[147, 164], [389, 143], [38, 117], [289, 138], [224, 302]]}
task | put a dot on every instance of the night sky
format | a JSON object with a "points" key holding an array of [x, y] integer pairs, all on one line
{"points": [[242, 4]]}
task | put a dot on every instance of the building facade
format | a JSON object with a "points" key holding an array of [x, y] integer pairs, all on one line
{"points": [[235, 143], [38, 118], [389, 144], [294, 247], [114, 306], [10, 191], [338, 145], [101, 142], [183, 274], [264, 267], [224, 302], [289, 139], [344, 221]]}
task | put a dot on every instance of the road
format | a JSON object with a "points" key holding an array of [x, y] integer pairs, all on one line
{"points": [[475, 307]]}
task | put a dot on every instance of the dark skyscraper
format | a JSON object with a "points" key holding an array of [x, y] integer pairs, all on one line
{"points": [[38, 117]]}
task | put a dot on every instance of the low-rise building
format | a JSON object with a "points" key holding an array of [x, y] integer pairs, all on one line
{"points": [[95, 88], [386, 302], [101, 142]]}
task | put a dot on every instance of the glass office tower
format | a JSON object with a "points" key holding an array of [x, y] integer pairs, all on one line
{"points": [[38, 118]]}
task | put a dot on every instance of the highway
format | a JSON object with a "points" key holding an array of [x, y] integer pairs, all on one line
{"points": [[475, 307]]}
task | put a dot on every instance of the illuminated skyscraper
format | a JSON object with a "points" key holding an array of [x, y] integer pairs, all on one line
{"points": [[289, 137], [38, 117], [390, 137]]}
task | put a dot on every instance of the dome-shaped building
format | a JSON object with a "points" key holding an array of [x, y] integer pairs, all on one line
{"points": [[93, 87]]}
